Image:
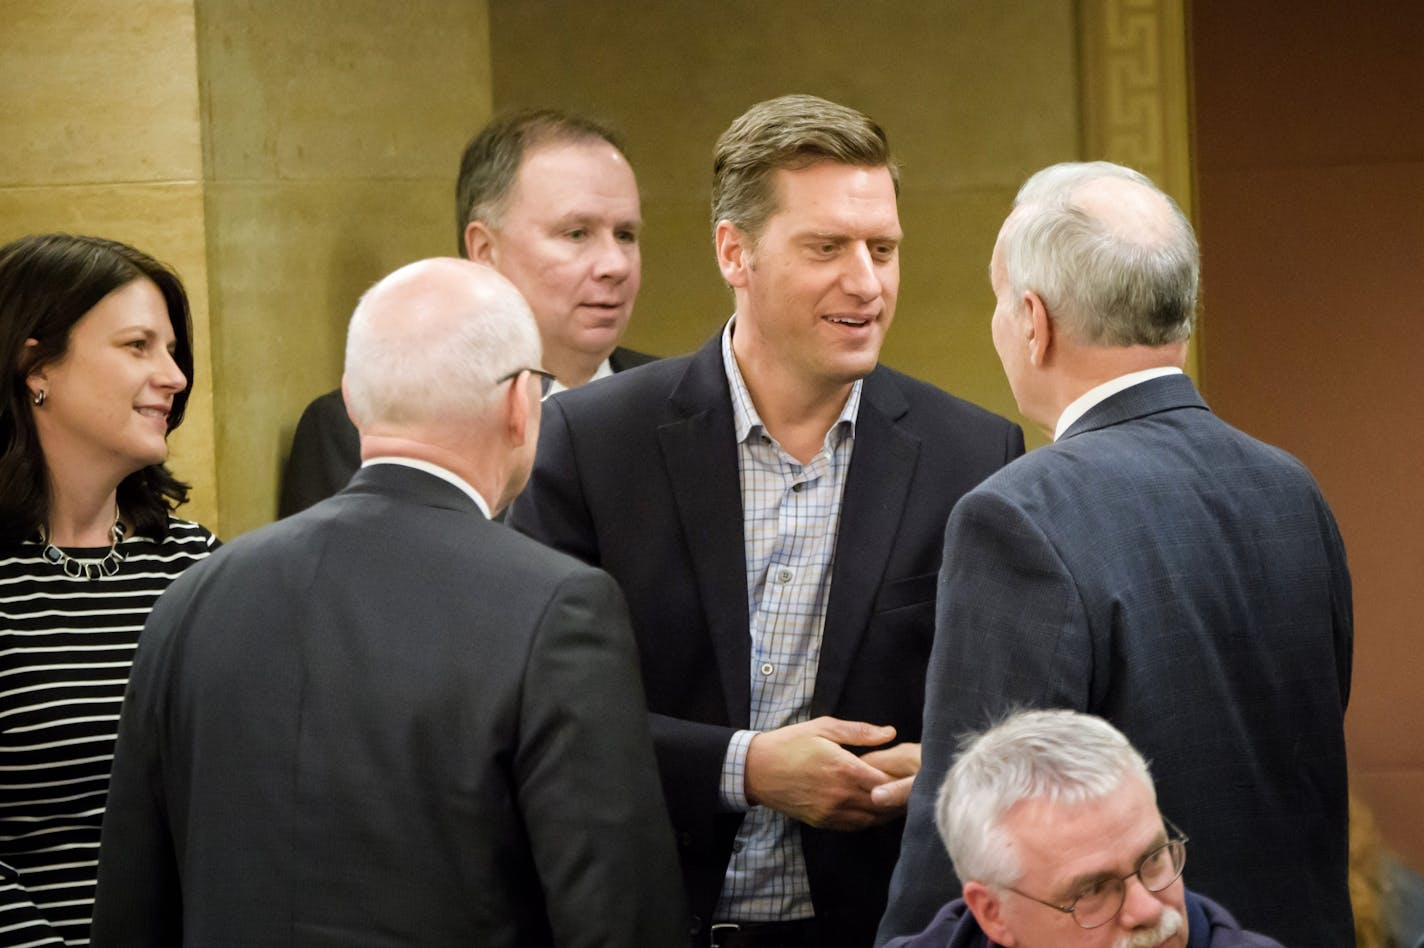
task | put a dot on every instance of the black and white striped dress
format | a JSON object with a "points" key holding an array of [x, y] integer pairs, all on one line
{"points": [[65, 650]]}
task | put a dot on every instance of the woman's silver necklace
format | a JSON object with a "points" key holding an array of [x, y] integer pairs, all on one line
{"points": [[107, 565]]}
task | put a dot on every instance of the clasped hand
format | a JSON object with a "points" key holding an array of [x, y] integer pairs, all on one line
{"points": [[805, 771]]}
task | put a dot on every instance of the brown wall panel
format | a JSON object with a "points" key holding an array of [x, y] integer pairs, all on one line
{"points": [[331, 137], [1310, 145]]}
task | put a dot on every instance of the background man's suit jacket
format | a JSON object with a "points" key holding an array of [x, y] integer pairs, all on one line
{"points": [[640, 477], [1159, 568], [387, 721], [326, 450]]}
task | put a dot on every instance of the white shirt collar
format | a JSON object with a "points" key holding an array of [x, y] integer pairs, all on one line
{"points": [[1099, 393], [435, 470], [604, 370]]}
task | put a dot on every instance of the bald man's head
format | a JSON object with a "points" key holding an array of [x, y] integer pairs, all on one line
{"points": [[1129, 210], [428, 344], [1111, 255]]}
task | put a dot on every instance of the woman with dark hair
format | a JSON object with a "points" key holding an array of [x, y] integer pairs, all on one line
{"points": [[97, 342]]}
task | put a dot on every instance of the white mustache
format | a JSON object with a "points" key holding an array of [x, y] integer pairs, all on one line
{"points": [[1169, 925]]}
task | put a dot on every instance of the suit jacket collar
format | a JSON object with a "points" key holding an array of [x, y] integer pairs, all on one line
{"points": [[412, 485], [1147, 398], [700, 451]]}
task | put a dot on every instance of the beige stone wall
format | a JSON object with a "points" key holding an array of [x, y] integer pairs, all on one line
{"points": [[281, 156], [332, 135], [102, 136]]}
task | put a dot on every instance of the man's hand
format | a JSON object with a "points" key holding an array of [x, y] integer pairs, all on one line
{"points": [[901, 761], [803, 770]]}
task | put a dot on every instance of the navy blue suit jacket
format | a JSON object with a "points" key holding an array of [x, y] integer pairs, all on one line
{"points": [[1159, 568], [638, 474]]}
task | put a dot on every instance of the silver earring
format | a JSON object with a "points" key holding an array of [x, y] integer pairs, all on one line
{"points": [[38, 398]]}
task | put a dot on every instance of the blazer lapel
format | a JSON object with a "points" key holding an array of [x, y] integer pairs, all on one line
{"points": [[413, 485], [877, 486], [700, 451]]}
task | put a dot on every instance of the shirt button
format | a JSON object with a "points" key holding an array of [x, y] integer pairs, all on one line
{"points": [[783, 575], [797, 487], [736, 845], [767, 668]]}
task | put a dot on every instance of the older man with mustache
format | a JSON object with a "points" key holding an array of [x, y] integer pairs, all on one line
{"points": [[1051, 820]]}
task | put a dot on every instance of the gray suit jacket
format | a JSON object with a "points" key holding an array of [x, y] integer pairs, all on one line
{"points": [[387, 721], [1159, 568]]}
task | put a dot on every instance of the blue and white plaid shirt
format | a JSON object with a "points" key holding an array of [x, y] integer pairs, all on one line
{"points": [[791, 514]]}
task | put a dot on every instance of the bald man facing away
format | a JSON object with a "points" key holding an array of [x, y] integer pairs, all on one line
{"points": [[388, 721], [1153, 566]]}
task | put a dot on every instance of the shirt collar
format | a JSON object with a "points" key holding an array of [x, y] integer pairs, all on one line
{"points": [[1100, 393], [744, 414], [604, 370], [435, 470]]}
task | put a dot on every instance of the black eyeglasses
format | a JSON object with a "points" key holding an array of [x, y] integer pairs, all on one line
{"points": [[546, 379], [1100, 902]]}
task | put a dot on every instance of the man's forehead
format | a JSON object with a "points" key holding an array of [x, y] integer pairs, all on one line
{"points": [[1066, 840], [826, 193], [556, 178], [582, 154]]}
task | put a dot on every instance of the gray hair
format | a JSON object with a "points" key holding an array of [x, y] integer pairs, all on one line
{"points": [[440, 358], [1062, 756], [1109, 285], [792, 132]]}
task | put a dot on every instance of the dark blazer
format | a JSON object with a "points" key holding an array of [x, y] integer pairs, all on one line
{"points": [[326, 450], [387, 721], [641, 478], [1159, 568]]}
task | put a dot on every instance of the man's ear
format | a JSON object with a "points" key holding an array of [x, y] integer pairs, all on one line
{"points": [[987, 909], [346, 400], [480, 243], [734, 253], [516, 411], [1038, 328]]}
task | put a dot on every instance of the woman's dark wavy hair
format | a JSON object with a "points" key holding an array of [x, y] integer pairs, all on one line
{"points": [[48, 282]]}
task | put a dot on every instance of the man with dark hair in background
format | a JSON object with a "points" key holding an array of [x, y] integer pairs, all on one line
{"points": [[550, 201], [772, 507]]}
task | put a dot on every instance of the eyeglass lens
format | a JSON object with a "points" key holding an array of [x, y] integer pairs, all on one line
{"points": [[1158, 869]]}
